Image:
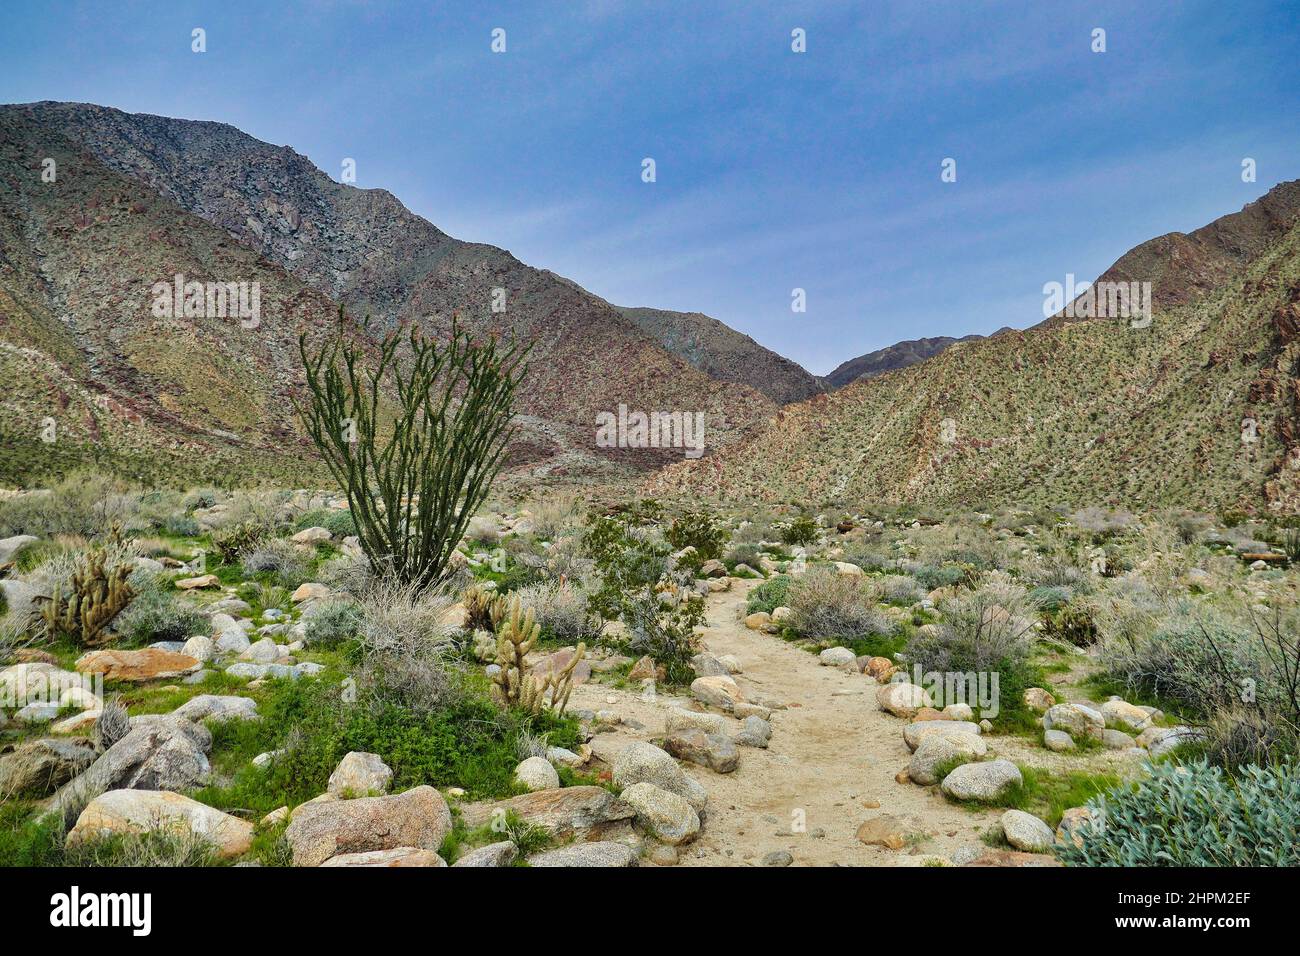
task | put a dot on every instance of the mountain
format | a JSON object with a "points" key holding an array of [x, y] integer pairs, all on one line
{"points": [[898, 355], [1198, 409], [140, 198], [725, 354]]}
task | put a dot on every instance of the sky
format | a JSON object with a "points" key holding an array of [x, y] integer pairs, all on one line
{"points": [[775, 170]]}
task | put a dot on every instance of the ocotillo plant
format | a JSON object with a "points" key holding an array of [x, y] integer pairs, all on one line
{"points": [[412, 483]]}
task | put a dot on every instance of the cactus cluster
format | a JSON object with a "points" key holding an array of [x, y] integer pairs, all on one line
{"points": [[94, 595], [515, 685], [483, 609]]}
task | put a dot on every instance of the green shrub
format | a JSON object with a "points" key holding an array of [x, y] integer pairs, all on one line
{"points": [[1072, 624], [336, 521], [769, 595], [157, 615], [332, 624], [699, 530], [234, 539], [1195, 815], [827, 604], [802, 530]]}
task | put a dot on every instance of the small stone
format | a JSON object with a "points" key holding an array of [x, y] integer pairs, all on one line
{"points": [[778, 857], [884, 830]]}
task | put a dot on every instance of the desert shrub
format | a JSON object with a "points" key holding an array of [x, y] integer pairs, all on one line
{"points": [[275, 556], [770, 595], [826, 604], [556, 515], [405, 643], [746, 553], [156, 614], [1101, 523], [336, 521], [1195, 815], [931, 576], [1051, 598], [562, 611], [182, 526], [84, 503], [699, 530], [870, 558], [231, 540], [801, 530], [1071, 623], [898, 589], [989, 630], [665, 632], [200, 498], [332, 624]]}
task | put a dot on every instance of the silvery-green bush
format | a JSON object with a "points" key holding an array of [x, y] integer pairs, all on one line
{"points": [[1195, 815]]}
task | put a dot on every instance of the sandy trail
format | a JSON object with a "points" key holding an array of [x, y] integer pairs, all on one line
{"points": [[831, 761]]}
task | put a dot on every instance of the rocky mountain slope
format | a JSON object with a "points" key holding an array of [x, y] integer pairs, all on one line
{"points": [[139, 198], [898, 355], [725, 354], [1197, 410]]}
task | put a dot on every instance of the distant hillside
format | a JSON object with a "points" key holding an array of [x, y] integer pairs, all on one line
{"points": [[898, 355], [725, 354], [139, 198], [1197, 410]]}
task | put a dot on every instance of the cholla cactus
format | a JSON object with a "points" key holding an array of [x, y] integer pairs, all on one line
{"points": [[111, 725], [515, 685], [482, 609], [96, 593]]}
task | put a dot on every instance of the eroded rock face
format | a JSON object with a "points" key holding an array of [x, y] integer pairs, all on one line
{"points": [[319, 830], [140, 811]]}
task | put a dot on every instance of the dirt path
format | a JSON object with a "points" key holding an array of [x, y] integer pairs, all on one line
{"points": [[831, 761]]}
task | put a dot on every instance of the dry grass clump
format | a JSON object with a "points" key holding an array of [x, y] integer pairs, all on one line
{"points": [[826, 604]]}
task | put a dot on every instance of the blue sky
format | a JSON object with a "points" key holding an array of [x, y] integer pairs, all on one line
{"points": [[775, 170]]}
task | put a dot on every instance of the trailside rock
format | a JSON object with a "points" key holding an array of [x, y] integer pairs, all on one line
{"points": [[756, 732], [640, 762], [718, 691], [940, 750], [667, 816], [1024, 831], [150, 663], [837, 657], [398, 856], [582, 813], [141, 811], [536, 773], [360, 774], [902, 700], [1077, 720], [884, 830], [913, 734], [982, 781], [319, 830], [1121, 715], [714, 751], [1058, 740], [607, 853], [677, 718], [1038, 700]]}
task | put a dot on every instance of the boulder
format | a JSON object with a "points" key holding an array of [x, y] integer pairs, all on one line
{"points": [[163, 753], [982, 781], [677, 718], [1116, 740], [494, 854], [755, 732], [668, 817], [398, 857], [1058, 741], [706, 665], [782, 616], [712, 568], [148, 664], [582, 813], [360, 774], [719, 691], [1121, 715], [844, 567], [940, 750], [196, 583], [537, 773], [265, 651], [200, 647], [837, 657], [418, 818], [20, 601], [311, 536], [9, 547], [141, 811], [644, 669], [217, 708], [1024, 831], [884, 830], [1038, 700], [901, 699], [310, 591], [758, 620], [606, 853], [714, 751], [1173, 738], [1077, 720], [640, 762], [1074, 825], [914, 733]]}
